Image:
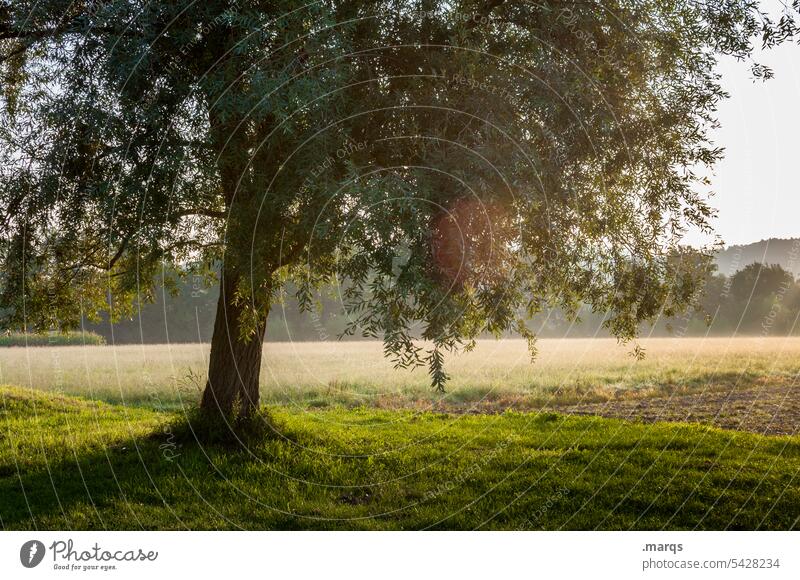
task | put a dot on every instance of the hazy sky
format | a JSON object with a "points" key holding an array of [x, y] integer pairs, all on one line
{"points": [[757, 185]]}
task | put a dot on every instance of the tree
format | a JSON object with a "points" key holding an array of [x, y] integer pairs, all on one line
{"points": [[763, 299], [758, 281], [456, 166]]}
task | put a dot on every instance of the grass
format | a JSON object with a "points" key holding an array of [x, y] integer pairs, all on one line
{"points": [[51, 339], [69, 463], [352, 374]]}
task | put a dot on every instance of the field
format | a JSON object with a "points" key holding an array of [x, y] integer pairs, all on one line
{"points": [[101, 437], [497, 373]]}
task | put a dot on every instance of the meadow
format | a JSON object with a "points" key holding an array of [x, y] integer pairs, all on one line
{"points": [[499, 373], [67, 463], [106, 437]]}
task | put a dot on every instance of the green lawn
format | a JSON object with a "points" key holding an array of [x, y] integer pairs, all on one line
{"points": [[76, 464]]}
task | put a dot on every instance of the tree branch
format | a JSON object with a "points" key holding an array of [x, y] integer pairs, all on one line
{"points": [[119, 253], [202, 211], [483, 13]]}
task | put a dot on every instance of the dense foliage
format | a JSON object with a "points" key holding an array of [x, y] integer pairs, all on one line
{"points": [[460, 166]]}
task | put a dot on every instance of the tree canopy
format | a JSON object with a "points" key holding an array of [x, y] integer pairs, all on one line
{"points": [[455, 166]]}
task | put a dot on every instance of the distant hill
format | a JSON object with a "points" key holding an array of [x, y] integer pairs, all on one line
{"points": [[785, 253]]}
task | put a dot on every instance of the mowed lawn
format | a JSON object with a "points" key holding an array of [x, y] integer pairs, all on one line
{"points": [[498, 373], [70, 463]]}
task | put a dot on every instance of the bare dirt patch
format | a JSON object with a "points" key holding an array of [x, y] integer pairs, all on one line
{"points": [[767, 409], [770, 410]]}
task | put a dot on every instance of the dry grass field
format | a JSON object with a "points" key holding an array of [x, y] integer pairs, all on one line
{"points": [[497, 375]]}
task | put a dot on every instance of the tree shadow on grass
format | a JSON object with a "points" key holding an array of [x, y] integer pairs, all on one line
{"points": [[149, 481], [73, 491], [166, 480]]}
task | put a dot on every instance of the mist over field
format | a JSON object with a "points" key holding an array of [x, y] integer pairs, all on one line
{"points": [[736, 300]]}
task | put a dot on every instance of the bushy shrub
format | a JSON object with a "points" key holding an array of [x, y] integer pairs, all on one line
{"points": [[51, 339]]}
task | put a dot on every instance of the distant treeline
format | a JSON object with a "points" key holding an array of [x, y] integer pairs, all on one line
{"points": [[756, 300], [188, 316]]}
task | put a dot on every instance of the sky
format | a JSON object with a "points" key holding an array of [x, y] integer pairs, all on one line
{"points": [[757, 184]]}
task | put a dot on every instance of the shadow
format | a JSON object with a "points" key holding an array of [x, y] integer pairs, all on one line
{"points": [[73, 493]]}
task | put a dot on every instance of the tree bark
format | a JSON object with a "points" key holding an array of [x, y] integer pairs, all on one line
{"points": [[235, 363]]}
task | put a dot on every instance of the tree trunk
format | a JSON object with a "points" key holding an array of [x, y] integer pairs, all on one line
{"points": [[235, 364]]}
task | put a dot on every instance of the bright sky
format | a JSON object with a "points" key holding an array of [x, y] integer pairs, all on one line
{"points": [[757, 185]]}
